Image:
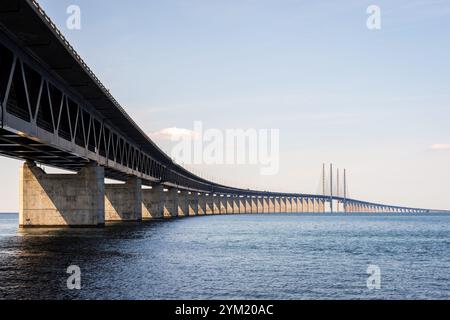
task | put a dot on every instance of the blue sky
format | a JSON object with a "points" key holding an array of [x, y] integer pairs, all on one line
{"points": [[371, 101]]}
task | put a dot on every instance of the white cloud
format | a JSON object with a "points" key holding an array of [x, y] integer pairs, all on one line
{"points": [[440, 146], [174, 133]]}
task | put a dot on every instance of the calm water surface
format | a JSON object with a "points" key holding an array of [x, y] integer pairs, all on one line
{"points": [[232, 257]]}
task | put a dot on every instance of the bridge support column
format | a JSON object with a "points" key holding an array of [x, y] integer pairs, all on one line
{"points": [[193, 206], [61, 200], [304, 205], [222, 204], [170, 203], [201, 204], [316, 205], [230, 205], [253, 206], [311, 205], [236, 206], [247, 204], [152, 199], [209, 204], [321, 206], [271, 204], [288, 205], [277, 202], [216, 204], [265, 203], [294, 205], [349, 207], [299, 205], [259, 204], [123, 202], [241, 205], [183, 203], [282, 205]]}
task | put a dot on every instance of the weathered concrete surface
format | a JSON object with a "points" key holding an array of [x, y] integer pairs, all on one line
{"points": [[259, 204], [216, 204], [123, 202], [193, 203], [321, 206], [265, 204], [311, 205], [183, 203], [316, 206], [248, 204], [222, 204], [254, 207], [283, 205], [229, 207], [305, 205], [209, 204], [170, 203], [236, 206], [242, 205], [299, 205], [276, 201], [201, 204], [288, 205], [294, 205], [61, 200], [152, 206], [271, 202]]}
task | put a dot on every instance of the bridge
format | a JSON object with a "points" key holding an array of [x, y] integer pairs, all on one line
{"points": [[55, 111]]}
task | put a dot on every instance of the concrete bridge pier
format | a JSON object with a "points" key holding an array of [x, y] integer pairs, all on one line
{"points": [[230, 207], [311, 205], [235, 202], [305, 207], [152, 202], [276, 205], [253, 205], [61, 200], [294, 205], [216, 204], [321, 206], [288, 205], [271, 204], [170, 203], [241, 202], [282, 205], [222, 204], [183, 203], [123, 202], [265, 204], [192, 203], [299, 205], [209, 204], [259, 204], [201, 204], [247, 205]]}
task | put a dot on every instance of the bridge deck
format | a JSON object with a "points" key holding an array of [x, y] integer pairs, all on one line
{"points": [[55, 111]]}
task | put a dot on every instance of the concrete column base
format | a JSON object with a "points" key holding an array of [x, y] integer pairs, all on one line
{"points": [[170, 203], [193, 204], [61, 200], [123, 202], [183, 203], [152, 207], [201, 204]]}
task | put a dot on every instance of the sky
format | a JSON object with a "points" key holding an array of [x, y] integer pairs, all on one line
{"points": [[375, 102]]}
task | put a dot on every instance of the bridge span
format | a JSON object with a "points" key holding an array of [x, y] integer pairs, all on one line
{"points": [[55, 111]]}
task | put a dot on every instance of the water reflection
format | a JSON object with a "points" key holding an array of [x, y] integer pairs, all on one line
{"points": [[229, 257]]}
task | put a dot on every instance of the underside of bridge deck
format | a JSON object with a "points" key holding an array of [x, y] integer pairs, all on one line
{"points": [[55, 111]]}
